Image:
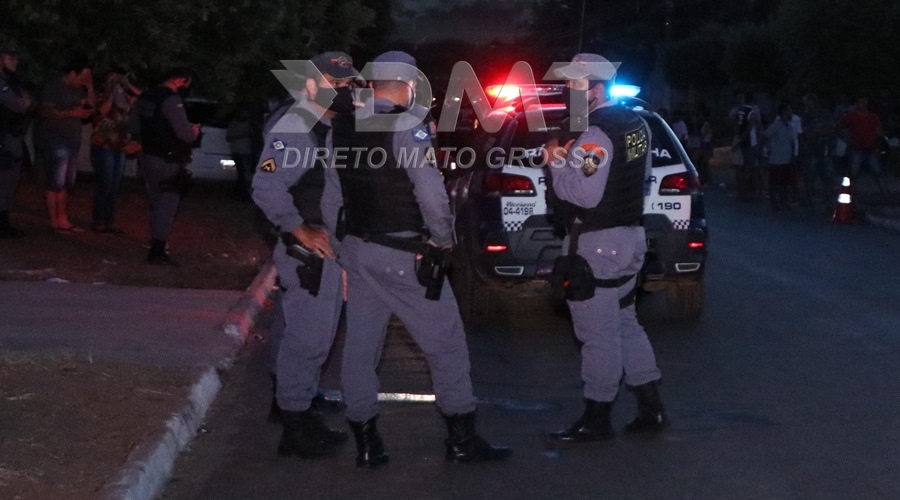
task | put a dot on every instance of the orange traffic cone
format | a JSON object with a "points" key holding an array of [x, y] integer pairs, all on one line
{"points": [[843, 212]]}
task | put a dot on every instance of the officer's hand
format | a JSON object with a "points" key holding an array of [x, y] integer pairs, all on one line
{"points": [[553, 151], [315, 239], [83, 112]]}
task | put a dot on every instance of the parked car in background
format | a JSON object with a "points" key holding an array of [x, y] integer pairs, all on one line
{"points": [[508, 235]]}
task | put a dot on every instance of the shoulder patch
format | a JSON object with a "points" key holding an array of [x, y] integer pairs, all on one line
{"points": [[277, 145], [268, 165], [420, 135], [595, 158]]}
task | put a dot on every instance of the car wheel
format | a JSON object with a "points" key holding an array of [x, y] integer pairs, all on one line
{"points": [[471, 294], [684, 299]]}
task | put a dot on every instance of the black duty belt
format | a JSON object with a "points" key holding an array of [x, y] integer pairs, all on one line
{"points": [[629, 297], [412, 244]]}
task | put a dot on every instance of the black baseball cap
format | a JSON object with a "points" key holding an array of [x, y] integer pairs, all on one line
{"points": [[10, 48], [337, 64]]}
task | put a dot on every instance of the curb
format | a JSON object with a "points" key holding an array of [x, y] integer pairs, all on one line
{"points": [[242, 315], [149, 466]]}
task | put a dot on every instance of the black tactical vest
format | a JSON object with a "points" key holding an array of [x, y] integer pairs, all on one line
{"points": [[307, 192], [623, 200], [157, 134], [378, 194]]}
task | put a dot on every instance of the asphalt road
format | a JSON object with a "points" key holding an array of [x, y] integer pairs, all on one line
{"points": [[785, 388]]}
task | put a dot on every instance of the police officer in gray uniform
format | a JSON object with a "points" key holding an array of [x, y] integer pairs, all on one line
{"points": [[15, 110], [166, 139], [395, 205], [288, 188], [602, 183]]}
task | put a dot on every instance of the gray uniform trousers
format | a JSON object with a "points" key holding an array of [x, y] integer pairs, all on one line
{"points": [[613, 340], [309, 330], [381, 281], [163, 204]]}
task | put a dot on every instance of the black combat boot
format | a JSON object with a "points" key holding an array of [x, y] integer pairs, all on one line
{"points": [[320, 403], [302, 435], [594, 424], [159, 255], [651, 415], [6, 229], [464, 445], [319, 428], [369, 446]]}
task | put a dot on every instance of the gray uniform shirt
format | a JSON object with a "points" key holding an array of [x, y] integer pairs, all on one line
{"points": [[18, 103], [612, 252], [286, 157], [174, 112], [414, 152]]}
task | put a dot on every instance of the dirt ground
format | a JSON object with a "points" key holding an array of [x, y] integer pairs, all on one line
{"points": [[67, 424]]}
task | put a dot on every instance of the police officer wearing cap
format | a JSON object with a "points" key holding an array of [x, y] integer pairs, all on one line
{"points": [[395, 206], [288, 188], [601, 182], [166, 137], [15, 114]]}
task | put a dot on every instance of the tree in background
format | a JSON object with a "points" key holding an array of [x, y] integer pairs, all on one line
{"points": [[842, 46], [232, 46]]}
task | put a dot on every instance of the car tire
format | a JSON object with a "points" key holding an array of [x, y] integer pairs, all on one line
{"points": [[684, 300], [472, 296]]}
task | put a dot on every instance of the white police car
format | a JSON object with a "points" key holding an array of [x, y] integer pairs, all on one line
{"points": [[507, 233]]}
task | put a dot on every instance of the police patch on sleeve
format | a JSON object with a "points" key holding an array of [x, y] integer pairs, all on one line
{"points": [[595, 158], [277, 145], [268, 165], [420, 135]]}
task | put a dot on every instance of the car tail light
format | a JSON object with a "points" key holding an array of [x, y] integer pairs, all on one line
{"points": [[508, 185], [496, 248], [680, 184], [696, 244]]}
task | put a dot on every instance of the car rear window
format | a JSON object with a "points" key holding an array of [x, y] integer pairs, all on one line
{"points": [[663, 144]]}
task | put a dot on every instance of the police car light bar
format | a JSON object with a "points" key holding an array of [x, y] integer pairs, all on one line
{"points": [[619, 91]]}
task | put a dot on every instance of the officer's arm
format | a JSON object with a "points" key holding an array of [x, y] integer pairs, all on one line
{"points": [[279, 168], [581, 179], [14, 103], [173, 110], [416, 156]]}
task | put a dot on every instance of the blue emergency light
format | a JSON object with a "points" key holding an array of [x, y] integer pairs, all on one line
{"points": [[620, 90]]}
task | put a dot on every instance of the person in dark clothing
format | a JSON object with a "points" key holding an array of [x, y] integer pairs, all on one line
{"points": [[166, 137]]}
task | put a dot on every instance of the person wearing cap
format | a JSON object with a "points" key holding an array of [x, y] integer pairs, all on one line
{"points": [[15, 115], [288, 189], [601, 183], [65, 101], [394, 207], [166, 143]]}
